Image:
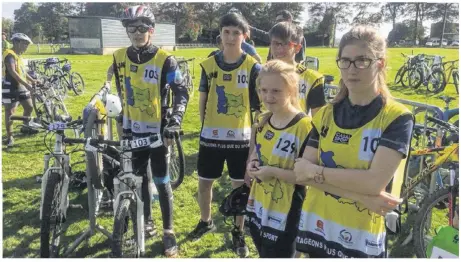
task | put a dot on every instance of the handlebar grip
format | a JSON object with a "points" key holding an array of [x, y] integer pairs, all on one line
{"points": [[442, 123], [74, 140], [21, 118]]}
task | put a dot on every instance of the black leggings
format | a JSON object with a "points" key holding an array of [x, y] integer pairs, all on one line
{"points": [[159, 172]]}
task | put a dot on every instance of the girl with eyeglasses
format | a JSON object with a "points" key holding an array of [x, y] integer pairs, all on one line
{"points": [[355, 157]]}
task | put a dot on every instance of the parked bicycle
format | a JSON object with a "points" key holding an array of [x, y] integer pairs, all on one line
{"points": [[452, 73], [186, 73]]}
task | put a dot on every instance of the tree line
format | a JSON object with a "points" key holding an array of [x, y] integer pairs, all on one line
{"points": [[46, 21]]}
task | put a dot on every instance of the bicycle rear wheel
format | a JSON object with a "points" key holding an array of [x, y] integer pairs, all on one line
{"points": [[398, 76], [432, 215], [77, 84], [436, 81], [411, 77], [177, 165], [124, 236], [456, 81], [52, 217]]}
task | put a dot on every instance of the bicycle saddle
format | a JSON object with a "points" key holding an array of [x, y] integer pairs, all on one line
{"points": [[447, 99]]}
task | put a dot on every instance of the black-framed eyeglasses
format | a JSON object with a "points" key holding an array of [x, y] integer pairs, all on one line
{"points": [[141, 28], [359, 63]]}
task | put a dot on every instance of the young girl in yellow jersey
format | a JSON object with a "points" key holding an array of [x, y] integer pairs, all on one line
{"points": [[274, 203], [355, 156], [286, 39]]}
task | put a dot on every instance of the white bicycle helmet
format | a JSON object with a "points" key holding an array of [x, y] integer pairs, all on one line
{"points": [[21, 36], [137, 12], [113, 105]]}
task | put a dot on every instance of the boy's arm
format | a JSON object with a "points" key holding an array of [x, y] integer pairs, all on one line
{"points": [[175, 80], [255, 103], [260, 34], [203, 89], [316, 96]]}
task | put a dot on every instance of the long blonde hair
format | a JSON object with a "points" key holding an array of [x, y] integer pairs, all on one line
{"points": [[290, 77], [377, 45]]}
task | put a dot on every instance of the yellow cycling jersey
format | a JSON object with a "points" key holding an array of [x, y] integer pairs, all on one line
{"points": [[140, 91], [341, 227], [269, 202], [308, 79], [227, 122], [20, 67]]}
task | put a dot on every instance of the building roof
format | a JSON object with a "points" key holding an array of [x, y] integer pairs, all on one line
{"points": [[106, 17]]}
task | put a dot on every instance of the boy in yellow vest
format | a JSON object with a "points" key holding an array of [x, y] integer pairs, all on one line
{"points": [[143, 74], [227, 98], [16, 83]]}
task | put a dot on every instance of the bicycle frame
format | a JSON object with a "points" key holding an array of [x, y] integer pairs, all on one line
{"points": [[61, 166], [445, 154]]}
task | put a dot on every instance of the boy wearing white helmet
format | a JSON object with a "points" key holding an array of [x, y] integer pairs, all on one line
{"points": [[144, 76], [16, 83]]}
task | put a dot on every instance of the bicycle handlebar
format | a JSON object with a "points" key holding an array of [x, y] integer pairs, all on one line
{"points": [[444, 124]]}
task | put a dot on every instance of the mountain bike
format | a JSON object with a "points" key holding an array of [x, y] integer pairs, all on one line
{"points": [[186, 73], [452, 72], [428, 219], [55, 183]]}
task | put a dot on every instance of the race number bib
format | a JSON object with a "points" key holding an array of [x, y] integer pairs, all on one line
{"points": [[242, 79], [151, 74], [369, 144]]}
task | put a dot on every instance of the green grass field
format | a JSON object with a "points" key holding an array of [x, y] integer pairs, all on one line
{"points": [[21, 164]]}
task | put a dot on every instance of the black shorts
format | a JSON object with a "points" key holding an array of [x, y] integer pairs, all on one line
{"points": [[11, 95], [210, 163]]}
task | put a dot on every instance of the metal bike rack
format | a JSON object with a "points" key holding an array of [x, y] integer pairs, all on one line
{"points": [[439, 114], [92, 195]]}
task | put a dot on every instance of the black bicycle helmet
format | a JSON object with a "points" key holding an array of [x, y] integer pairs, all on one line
{"points": [[235, 203], [137, 12]]}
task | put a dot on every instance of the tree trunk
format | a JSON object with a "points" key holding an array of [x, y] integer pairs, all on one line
{"points": [[444, 21], [416, 23]]}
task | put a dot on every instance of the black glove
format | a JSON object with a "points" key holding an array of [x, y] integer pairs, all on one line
{"points": [[172, 129]]}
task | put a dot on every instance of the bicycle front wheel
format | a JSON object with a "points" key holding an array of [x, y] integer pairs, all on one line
{"points": [[177, 165], [398, 76], [52, 217], [432, 215], [411, 77], [436, 81], [124, 236]]}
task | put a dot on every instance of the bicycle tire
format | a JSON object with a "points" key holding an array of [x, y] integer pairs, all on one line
{"points": [[177, 179], [439, 77], [94, 162], [48, 249], [408, 82], [78, 88], [41, 109], [426, 206], [456, 81], [398, 76], [121, 222]]}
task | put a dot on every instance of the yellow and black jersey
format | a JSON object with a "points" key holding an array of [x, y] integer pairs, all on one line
{"points": [[311, 88], [8, 80], [231, 94], [270, 202], [332, 226]]}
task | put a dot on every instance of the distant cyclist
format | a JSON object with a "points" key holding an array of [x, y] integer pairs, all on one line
{"points": [[16, 84]]}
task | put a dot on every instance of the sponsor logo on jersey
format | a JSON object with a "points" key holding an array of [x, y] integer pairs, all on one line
{"points": [[230, 134], [212, 75], [341, 138], [374, 244], [227, 77], [136, 127], [345, 237], [269, 135], [320, 227], [215, 133], [133, 68]]}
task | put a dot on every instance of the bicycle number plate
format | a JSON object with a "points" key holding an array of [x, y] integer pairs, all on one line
{"points": [[140, 142], [57, 126]]}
